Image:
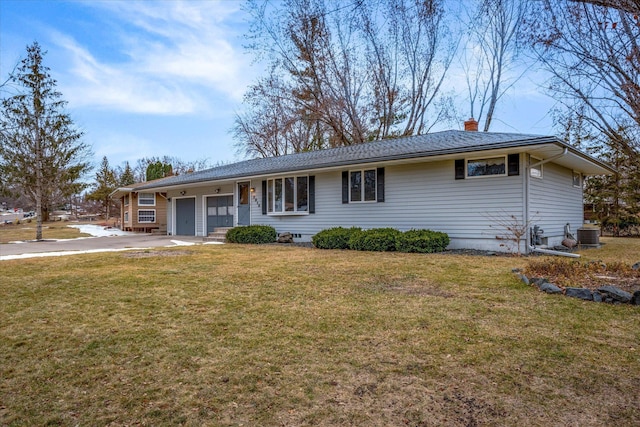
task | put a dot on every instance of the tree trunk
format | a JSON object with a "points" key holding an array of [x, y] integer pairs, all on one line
{"points": [[38, 216]]}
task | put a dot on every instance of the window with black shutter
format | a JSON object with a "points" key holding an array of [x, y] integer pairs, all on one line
{"points": [[363, 185], [513, 161], [459, 169], [289, 195]]}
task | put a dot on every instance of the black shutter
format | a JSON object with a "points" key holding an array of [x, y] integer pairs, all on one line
{"points": [[345, 187], [513, 162], [312, 194], [264, 197], [380, 184], [459, 169]]}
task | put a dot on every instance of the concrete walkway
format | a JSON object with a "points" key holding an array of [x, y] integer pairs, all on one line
{"points": [[34, 249]]}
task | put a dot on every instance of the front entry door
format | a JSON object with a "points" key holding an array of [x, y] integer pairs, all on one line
{"points": [[186, 217], [219, 212], [244, 208]]}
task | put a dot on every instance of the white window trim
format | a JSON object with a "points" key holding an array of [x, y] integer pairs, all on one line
{"points": [[126, 216], [147, 210], [146, 205], [573, 181], [295, 212], [362, 190], [532, 161], [466, 167]]}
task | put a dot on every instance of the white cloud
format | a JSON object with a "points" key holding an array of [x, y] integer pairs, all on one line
{"points": [[121, 147], [181, 57], [97, 84]]}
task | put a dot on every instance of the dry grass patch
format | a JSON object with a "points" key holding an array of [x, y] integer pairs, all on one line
{"points": [[247, 335], [609, 265], [27, 231], [586, 274], [148, 253]]}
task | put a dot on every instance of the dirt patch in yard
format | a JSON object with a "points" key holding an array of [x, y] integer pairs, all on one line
{"points": [[149, 253], [406, 286]]}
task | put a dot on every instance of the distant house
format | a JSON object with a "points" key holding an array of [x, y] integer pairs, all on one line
{"points": [[142, 210], [457, 182]]}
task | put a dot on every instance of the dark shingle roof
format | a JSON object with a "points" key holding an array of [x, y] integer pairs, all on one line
{"points": [[438, 143]]}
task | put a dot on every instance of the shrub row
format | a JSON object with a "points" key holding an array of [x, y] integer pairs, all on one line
{"points": [[381, 239], [256, 234]]}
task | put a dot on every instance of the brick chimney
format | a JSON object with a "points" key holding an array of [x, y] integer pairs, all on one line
{"points": [[471, 125]]}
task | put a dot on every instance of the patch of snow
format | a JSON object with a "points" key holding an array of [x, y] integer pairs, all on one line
{"points": [[181, 243], [100, 230], [63, 253]]}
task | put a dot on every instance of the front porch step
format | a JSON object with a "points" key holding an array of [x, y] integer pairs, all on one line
{"points": [[219, 234]]}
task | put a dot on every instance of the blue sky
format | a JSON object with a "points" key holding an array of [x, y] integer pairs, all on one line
{"points": [[154, 78]]}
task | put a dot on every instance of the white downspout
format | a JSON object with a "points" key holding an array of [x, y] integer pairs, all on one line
{"points": [[527, 180], [551, 252], [528, 242]]}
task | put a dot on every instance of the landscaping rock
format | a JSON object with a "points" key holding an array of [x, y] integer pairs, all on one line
{"points": [[524, 279], [285, 238], [616, 294], [582, 293], [537, 281], [635, 299], [550, 288], [636, 266], [597, 297]]}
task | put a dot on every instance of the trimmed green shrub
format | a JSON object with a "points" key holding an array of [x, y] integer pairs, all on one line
{"points": [[256, 234], [381, 240], [422, 241], [375, 239], [334, 238]]}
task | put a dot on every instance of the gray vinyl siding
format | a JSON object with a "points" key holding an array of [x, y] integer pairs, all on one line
{"points": [[420, 195], [554, 202], [423, 195], [199, 193]]}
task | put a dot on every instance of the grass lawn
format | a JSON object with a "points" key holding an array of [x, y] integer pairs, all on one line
{"points": [[27, 231], [270, 336]]}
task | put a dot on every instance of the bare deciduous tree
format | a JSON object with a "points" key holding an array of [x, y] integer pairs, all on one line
{"points": [[347, 73], [593, 54], [425, 53], [491, 55]]}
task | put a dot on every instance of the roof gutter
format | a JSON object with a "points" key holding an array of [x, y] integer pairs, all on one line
{"points": [[344, 163]]}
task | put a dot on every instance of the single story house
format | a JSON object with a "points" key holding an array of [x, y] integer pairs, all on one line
{"points": [[144, 211], [459, 182]]}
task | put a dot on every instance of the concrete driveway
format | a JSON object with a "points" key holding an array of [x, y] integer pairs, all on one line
{"points": [[92, 244]]}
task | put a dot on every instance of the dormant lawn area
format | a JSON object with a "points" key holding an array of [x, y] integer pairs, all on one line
{"points": [[26, 230], [269, 335]]}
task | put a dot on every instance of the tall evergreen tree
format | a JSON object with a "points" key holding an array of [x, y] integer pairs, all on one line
{"points": [[105, 183], [41, 153], [159, 170], [127, 178]]}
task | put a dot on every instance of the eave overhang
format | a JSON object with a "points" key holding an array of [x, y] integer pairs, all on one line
{"points": [[538, 146]]}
